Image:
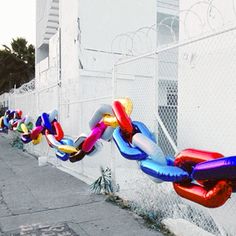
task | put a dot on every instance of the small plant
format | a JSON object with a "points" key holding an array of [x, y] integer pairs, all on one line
{"points": [[104, 183], [17, 143]]}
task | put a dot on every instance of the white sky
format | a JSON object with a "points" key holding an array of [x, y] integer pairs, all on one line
{"points": [[17, 19]]}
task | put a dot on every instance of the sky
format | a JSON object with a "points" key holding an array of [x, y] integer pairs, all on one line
{"points": [[17, 19]]}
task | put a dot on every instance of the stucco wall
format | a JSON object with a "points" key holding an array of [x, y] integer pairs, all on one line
{"points": [[102, 20], [69, 40], [206, 89], [100, 23]]}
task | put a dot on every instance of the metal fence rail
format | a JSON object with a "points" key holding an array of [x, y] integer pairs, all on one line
{"points": [[184, 93]]}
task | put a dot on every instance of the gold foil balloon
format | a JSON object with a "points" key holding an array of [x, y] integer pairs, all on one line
{"points": [[110, 120]]}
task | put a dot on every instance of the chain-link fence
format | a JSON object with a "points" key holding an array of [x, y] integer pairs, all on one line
{"points": [[185, 94], [79, 99]]}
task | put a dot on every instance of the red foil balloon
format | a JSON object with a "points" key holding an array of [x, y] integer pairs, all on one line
{"points": [[19, 113], [122, 118], [210, 193], [211, 197], [15, 123], [59, 134], [194, 156]]}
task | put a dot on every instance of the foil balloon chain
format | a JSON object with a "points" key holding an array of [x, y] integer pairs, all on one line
{"points": [[25, 126], [10, 119], [136, 142], [206, 178], [65, 148], [102, 125], [210, 191], [48, 125]]}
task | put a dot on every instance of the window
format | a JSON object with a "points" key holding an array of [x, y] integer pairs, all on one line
{"points": [[172, 95]]}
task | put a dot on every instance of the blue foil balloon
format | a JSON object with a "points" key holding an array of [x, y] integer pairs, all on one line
{"points": [[126, 149], [26, 138], [62, 156], [46, 122], [163, 172], [38, 121], [5, 122]]}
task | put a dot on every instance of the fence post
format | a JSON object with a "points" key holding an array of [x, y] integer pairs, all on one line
{"points": [[113, 149], [59, 80], [9, 100], [155, 87]]}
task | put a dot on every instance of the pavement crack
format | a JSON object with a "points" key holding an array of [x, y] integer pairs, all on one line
{"points": [[52, 209], [23, 183], [3, 203]]}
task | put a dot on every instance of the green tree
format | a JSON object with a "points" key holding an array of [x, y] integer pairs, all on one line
{"points": [[17, 64]]}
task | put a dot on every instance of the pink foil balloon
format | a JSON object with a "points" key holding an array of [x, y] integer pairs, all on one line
{"points": [[94, 135]]}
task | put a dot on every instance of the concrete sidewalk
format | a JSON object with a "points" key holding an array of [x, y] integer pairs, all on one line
{"points": [[46, 201]]}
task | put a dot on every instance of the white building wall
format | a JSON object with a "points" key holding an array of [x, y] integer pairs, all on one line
{"points": [[202, 123], [102, 21], [207, 107], [69, 40], [206, 85], [198, 17], [206, 88]]}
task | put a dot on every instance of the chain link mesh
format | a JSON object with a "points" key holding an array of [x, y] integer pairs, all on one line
{"points": [[185, 94], [194, 89]]}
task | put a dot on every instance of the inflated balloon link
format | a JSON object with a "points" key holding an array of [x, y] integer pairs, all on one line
{"points": [[190, 165], [206, 178]]}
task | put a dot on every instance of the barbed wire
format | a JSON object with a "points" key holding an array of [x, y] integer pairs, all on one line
{"points": [[205, 16], [25, 88]]}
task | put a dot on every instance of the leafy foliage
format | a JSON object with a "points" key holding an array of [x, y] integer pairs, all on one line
{"points": [[104, 183], [17, 143], [17, 64]]}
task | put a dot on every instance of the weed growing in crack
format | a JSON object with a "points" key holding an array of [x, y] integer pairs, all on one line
{"points": [[104, 184], [17, 143]]}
